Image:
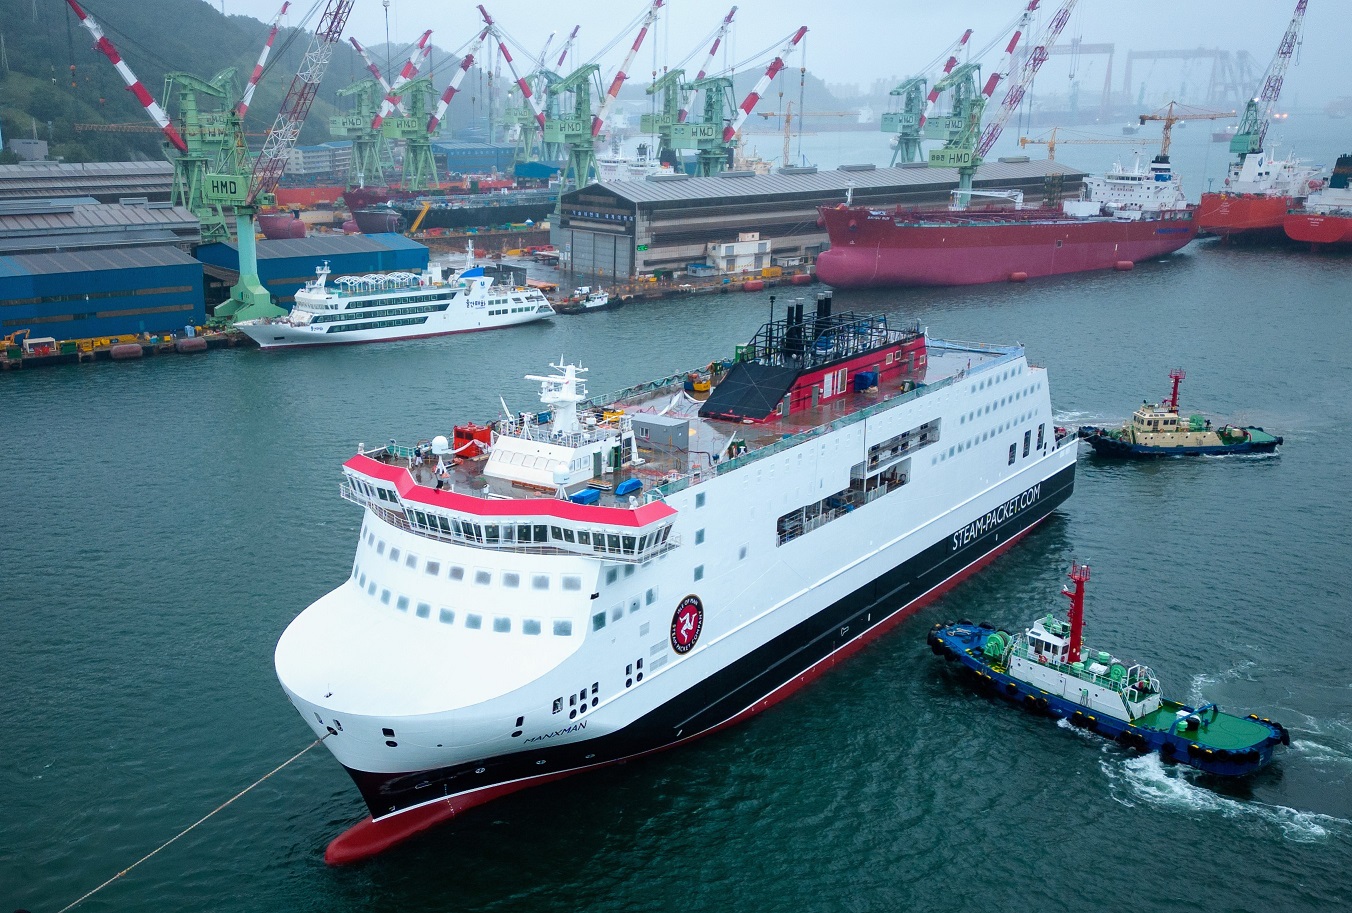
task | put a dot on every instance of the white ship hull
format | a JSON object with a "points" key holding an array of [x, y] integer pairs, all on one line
{"points": [[280, 334], [429, 724]]}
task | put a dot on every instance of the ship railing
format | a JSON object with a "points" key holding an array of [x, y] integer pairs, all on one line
{"points": [[400, 520], [1022, 649]]}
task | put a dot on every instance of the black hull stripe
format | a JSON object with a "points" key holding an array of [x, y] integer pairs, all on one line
{"points": [[732, 689]]}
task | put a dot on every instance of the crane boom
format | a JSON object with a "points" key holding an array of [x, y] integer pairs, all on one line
{"points": [[934, 93], [243, 107], [526, 94], [285, 130], [1253, 127], [599, 119], [371, 65], [420, 52], [466, 62], [708, 62], [1034, 61], [749, 103], [568, 46], [134, 85]]}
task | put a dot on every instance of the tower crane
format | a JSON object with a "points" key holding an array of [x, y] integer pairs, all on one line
{"points": [[394, 98], [708, 61], [599, 119], [915, 108], [676, 93], [1253, 126], [375, 70], [1051, 142], [434, 122], [753, 97], [1173, 113], [243, 107], [370, 151]]}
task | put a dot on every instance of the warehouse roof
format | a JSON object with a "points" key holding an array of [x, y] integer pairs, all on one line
{"points": [[817, 183], [92, 261], [46, 224], [313, 246], [103, 179]]}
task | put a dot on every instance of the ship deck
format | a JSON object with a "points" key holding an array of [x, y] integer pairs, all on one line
{"points": [[664, 472]]}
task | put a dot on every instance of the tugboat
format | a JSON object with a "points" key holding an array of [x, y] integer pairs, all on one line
{"points": [[1045, 670], [1157, 430], [584, 299]]}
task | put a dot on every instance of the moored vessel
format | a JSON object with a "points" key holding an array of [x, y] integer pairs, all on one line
{"points": [[585, 298], [384, 307], [1158, 430], [1124, 216], [1046, 670], [625, 573], [1326, 218], [1257, 196]]}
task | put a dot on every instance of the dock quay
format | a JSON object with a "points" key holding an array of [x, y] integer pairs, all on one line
{"points": [[41, 353]]}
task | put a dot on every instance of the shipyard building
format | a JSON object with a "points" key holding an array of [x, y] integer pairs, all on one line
{"points": [[740, 222]]}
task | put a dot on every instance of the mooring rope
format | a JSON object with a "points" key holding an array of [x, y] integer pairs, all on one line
{"points": [[218, 808]]}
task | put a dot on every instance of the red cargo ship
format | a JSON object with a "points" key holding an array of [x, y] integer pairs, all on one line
{"points": [[1258, 194], [1327, 216], [1125, 216]]}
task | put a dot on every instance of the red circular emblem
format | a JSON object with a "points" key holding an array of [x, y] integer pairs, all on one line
{"points": [[686, 624]]}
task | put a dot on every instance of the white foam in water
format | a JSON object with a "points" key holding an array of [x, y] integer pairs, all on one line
{"points": [[1150, 781], [1318, 753]]}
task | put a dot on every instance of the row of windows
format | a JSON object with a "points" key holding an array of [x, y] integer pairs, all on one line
{"points": [[98, 315], [536, 534], [382, 302], [510, 311], [617, 610], [402, 322], [393, 312], [94, 296], [474, 621], [482, 577], [992, 381]]}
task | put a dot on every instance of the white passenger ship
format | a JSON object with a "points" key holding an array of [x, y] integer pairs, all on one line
{"points": [[388, 306], [626, 573]]}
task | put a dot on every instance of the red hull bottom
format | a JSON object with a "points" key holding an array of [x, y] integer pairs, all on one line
{"points": [[1242, 216], [1314, 229], [937, 255], [370, 837]]}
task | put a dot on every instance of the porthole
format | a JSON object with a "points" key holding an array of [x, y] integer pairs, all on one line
{"points": [[392, 743]]}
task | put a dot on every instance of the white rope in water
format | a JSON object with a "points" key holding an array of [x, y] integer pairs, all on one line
{"points": [[218, 808]]}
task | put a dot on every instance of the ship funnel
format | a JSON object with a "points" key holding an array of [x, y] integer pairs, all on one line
{"points": [[823, 305], [798, 312]]}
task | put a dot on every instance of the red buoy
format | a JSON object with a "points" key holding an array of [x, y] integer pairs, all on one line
{"points": [[126, 350], [1123, 266], [753, 285], [190, 344], [1018, 277]]}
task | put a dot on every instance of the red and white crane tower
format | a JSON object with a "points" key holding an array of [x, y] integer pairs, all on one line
{"points": [[466, 62], [421, 49], [708, 61], [952, 62], [753, 98], [1033, 62], [243, 107], [134, 85], [599, 119], [526, 94], [567, 46]]}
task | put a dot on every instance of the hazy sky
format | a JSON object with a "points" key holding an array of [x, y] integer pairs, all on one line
{"points": [[857, 42]]}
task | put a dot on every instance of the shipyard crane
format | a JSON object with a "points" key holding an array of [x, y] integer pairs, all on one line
{"points": [[1051, 142], [434, 121], [1032, 62], [394, 97], [1174, 113], [599, 119], [370, 150], [719, 35], [375, 70], [916, 106], [527, 96], [249, 299], [753, 97], [676, 93], [1253, 126], [243, 107]]}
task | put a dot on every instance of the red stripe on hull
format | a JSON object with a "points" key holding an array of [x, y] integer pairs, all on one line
{"points": [[1232, 214], [1318, 229], [370, 837], [874, 250]]}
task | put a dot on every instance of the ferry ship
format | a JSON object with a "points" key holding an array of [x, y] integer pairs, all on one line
{"points": [[1124, 216], [383, 307], [622, 574]]}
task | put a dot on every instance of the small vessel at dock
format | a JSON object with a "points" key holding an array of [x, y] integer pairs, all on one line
{"points": [[1045, 670], [585, 298], [1157, 430]]}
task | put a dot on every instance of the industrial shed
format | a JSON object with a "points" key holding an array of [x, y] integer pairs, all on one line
{"points": [[667, 222], [106, 182], [285, 266], [100, 292]]}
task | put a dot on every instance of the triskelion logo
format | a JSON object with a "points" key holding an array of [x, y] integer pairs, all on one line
{"points": [[686, 624]]}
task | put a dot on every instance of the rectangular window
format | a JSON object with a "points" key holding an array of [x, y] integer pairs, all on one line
{"points": [[541, 533], [491, 533], [433, 568], [385, 596], [616, 612], [1013, 448], [699, 572], [401, 604], [699, 537], [511, 580], [572, 582], [699, 499], [598, 621], [567, 534], [613, 542], [456, 572], [530, 626], [394, 555], [1040, 430], [563, 628], [424, 610], [474, 621], [583, 537], [651, 596], [502, 624], [523, 533], [411, 560], [612, 574], [1027, 442], [482, 577], [556, 532], [539, 582], [447, 616]]}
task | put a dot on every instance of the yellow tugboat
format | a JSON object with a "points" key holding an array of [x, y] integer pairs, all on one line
{"points": [[1158, 430]]}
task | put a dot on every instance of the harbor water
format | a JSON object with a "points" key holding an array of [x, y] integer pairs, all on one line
{"points": [[165, 519]]}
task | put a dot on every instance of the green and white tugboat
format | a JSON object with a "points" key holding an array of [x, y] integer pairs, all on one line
{"points": [[1046, 670], [1158, 430]]}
